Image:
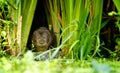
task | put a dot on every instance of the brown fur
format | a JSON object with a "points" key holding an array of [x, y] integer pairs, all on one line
{"points": [[41, 39]]}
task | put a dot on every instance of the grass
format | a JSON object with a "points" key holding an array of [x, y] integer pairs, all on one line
{"points": [[79, 22], [17, 23], [28, 65], [80, 19]]}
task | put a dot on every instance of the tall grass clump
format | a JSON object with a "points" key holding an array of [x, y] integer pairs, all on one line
{"points": [[27, 12], [80, 22], [9, 26], [17, 26]]}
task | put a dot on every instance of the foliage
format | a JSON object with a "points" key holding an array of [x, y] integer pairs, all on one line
{"points": [[76, 22], [80, 19], [28, 8], [28, 65], [117, 14], [16, 25], [5, 24]]}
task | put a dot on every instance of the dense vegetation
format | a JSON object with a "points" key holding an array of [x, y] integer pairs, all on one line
{"points": [[87, 34]]}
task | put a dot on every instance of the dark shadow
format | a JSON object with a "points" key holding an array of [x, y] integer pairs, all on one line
{"points": [[39, 20]]}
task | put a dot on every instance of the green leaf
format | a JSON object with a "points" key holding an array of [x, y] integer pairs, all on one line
{"points": [[28, 8], [3, 33], [117, 3]]}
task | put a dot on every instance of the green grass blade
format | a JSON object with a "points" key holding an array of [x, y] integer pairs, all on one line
{"points": [[27, 13], [117, 3]]}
